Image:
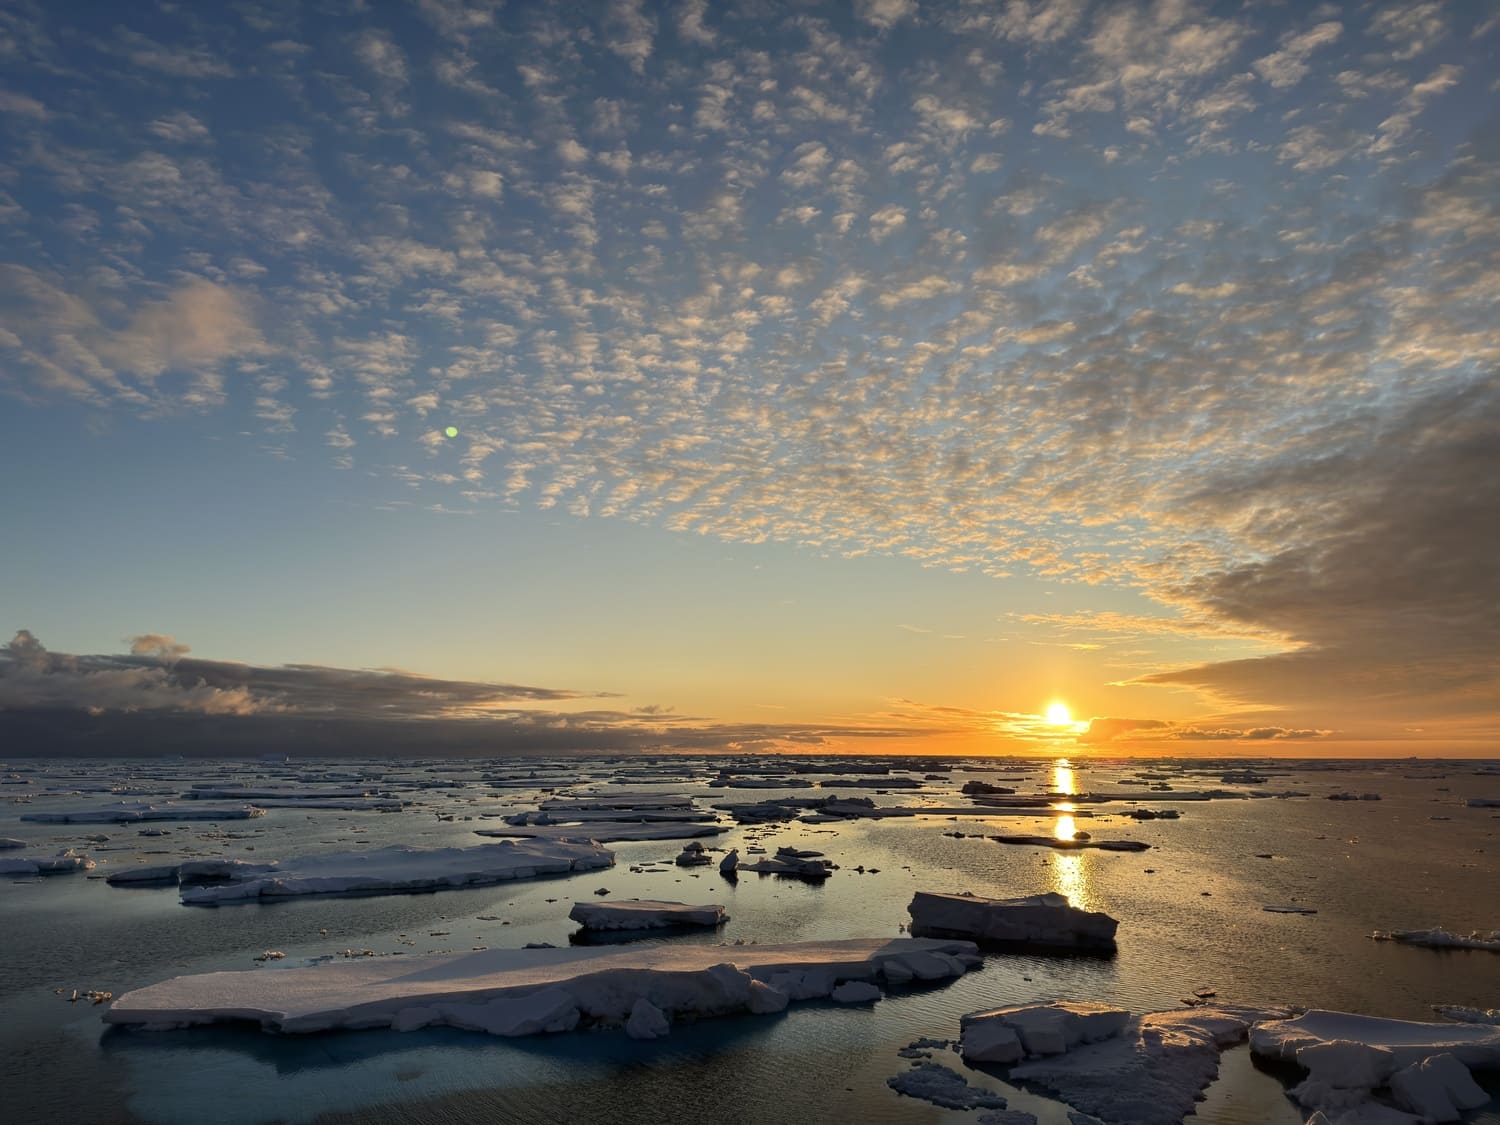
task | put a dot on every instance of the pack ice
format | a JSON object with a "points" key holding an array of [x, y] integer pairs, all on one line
{"points": [[516, 992]]}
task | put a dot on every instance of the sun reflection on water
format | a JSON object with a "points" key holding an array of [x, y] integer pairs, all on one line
{"points": [[1062, 776]]}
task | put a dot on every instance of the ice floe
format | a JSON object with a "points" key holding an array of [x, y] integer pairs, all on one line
{"points": [[528, 991], [645, 914], [1151, 1073], [1442, 939], [792, 861], [606, 832], [396, 870], [64, 862], [1043, 920], [1005, 1035], [131, 812], [938, 1084]]}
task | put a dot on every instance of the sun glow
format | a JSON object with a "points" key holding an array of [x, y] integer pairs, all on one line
{"points": [[1059, 715]]}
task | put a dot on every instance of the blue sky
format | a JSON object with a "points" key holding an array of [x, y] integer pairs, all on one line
{"points": [[888, 365]]}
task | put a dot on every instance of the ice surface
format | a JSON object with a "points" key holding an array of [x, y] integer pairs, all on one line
{"points": [[1437, 1088], [1151, 1074], [855, 992], [1408, 1041], [1038, 1029], [1442, 939], [1080, 841], [526, 991], [62, 863], [606, 832], [644, 914], [7, 843], [398, 869], [935, 1083], [131, 812], [1045, 919]]}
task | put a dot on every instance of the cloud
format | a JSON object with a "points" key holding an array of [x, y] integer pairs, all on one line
{"points": [[1378, 564], [885, 14], [1289, 65]]}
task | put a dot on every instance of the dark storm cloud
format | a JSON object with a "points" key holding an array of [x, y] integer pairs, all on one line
{"points": [[1380, 562]]}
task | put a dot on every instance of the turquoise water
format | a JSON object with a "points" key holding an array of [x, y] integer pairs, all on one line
{"points": [[1195, 920]]}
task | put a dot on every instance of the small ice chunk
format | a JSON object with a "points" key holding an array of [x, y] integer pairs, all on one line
{"points": [[855, 992], [64, 862], [646, 1021], [731, 861], [935, 1083], [1007, 1117]]}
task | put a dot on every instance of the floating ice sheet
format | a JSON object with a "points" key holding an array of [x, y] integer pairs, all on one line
{"points": [[527, 991]]}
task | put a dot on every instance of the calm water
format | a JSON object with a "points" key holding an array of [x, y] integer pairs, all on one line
{"points": [[1194, 920]]}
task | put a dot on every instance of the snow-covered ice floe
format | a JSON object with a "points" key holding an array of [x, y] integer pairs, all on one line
{"points": [[606, 832], [1043, 920], [645, 914], [1124, 1070], [131, 812], [8, 843], [396, 870], [528, 991], [1424, 1066], [801, 863], [62, 863], [1442, 939]]}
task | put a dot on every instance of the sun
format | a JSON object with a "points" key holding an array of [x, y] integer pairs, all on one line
{"points": [[1059, 715]]}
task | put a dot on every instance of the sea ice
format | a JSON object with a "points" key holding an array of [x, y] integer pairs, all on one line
{"points": [[855, 992], [935, 1083], [62, 863], [7, 842], [395, 870], [1038, 1029], [526, 991], [1152, 1074], [646, 1021], [1408, 1041], [131, 812], [606, 832], [1437, 1088], [1045, 919], [1442, 939], [642, 914]]}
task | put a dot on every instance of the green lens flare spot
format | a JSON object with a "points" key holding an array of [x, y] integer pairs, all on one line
{"points": [[451, 431]]}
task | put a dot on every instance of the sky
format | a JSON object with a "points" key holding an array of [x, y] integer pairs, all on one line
{"points": [[767, 376]]}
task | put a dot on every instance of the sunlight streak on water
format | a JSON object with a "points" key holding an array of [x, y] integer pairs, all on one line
{"points": [[1062, 777]]}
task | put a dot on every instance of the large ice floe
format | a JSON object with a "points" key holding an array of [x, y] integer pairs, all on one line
{"points": [[515, 992], [392, 870], [132, 812], [1124, 1070], [606, 831], [1041, 920], [1423, 1066], [645, 914]]}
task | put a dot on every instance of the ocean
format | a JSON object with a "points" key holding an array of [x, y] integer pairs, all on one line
{"points": [[1191, 911]]}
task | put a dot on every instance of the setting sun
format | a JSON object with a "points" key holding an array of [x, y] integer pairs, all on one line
{"points": [[1058, 714]]}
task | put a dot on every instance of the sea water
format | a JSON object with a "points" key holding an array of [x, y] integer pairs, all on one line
{"points": [[1191, 913]]}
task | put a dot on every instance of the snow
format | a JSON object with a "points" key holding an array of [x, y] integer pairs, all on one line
{"points": [[395, 870], [527, 991], [1349, 1056], [1038, 1029], [644, 914], [131, 812], [64, 862], [1408, 1041], [855, 992], [646, 1021], [1442, 939], [935, 1083], [606, 832], [1045, 919], [1150, 1074]]}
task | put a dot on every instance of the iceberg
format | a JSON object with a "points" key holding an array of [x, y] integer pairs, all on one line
{"points": [[644, 914], [1044, 920], [393, 870], [531, 991]]}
